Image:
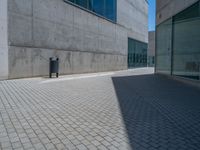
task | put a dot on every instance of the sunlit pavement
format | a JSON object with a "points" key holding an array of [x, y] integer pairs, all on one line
{"points": [[125, 110]]}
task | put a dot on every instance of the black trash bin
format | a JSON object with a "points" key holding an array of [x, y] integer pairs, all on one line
{"points": [[53, 66]]}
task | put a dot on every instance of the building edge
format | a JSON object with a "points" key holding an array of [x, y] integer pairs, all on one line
{"points": [[3, 40]]}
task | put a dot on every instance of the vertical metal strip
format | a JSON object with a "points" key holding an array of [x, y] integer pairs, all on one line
{"points": [[172, 46]]}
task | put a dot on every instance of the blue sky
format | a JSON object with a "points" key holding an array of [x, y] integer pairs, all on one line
{"points": [[152, 10]]}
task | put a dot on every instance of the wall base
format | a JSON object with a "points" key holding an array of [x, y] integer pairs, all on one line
{"points": [[33, 62]]}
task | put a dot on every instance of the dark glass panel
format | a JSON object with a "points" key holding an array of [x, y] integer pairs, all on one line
{"points": [[90, 3], [83, 3], [110, 9], [105, 8], [164, 47], [191, 12], [138, 50], [186, 47], [99, 7]]}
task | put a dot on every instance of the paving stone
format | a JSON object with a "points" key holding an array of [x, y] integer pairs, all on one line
{"points": [[105, 143], [60, 146], [128, 110], [16, 145], [81, 147], [101, 147], [5, 144], [92, 147], [49, 146]]}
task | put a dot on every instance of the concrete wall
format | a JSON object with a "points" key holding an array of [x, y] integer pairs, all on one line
{"points": [[151, 49], [167, 8], [39, 29], [151, 44], [3, 40], [133, 15]]}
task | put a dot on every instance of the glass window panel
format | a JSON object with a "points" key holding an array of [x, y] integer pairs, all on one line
{"points": [[104, 8], [99, 7], [153, 60], [110, 9], [191, 12], [139, 53], [163, 47], [83, 3], [90, 3], [186, 47], [72, 1]]}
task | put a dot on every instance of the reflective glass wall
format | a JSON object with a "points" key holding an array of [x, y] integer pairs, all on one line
{"points": [[178, 44], [150, 61], [137, 53], [186, 47], [104, 8], [164, 47]]}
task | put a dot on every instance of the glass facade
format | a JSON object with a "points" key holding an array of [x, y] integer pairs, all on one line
{"points": [[178, 44], [151, 61], [104, 8], [164, 47], [137, 53]]}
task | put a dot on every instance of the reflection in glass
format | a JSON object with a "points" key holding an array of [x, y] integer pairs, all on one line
{"points": [[83, 3], [186, 48], [137, 53], [98, 7], [178, 44], [164, 47], [104, 8]]}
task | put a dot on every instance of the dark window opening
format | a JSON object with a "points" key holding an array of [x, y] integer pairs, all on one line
{"points": [[105, 8]]}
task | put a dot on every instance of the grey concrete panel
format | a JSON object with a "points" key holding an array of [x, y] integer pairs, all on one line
{"points": [[151, 49], [61, 27], [48, 34], [151, 44], [3, 62], [3, 40], [83, 41], [20, 62], [28, 62], [23, 7], [133, 15], [122, 40], [52, 16], [20, 29]]}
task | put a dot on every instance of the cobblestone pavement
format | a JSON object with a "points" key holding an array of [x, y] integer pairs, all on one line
{"points": [[128, 110]]}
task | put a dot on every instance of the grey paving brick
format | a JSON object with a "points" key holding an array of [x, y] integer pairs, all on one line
{"points": [[60, 146], [49, 146], [28, 145], [16, 145], [5, 144], [81, 147], [92, 147], [102, 147], [95, 142], [127, 110], [105, 143]]}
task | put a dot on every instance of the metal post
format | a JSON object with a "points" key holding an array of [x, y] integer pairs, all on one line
{"points": [[58, 67], [50, 75]]}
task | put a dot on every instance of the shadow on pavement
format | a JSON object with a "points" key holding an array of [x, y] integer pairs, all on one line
{"points": [[159, 113]]}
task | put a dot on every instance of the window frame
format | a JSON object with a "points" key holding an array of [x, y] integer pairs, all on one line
{"points": [[94, 13]]}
